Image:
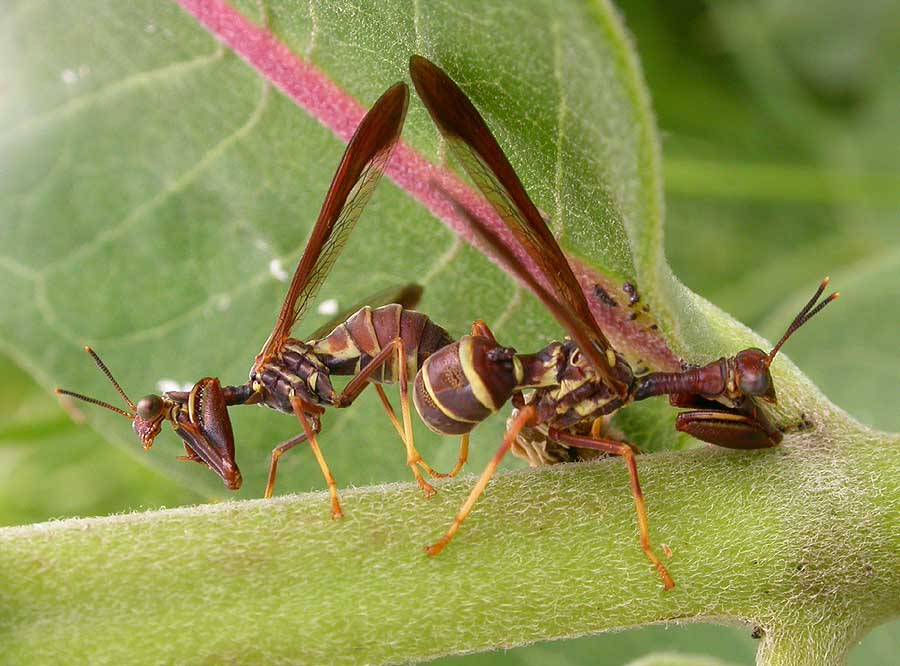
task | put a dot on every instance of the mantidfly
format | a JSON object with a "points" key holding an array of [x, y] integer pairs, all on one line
{"points": [[723, 394], [381, 345], [199, 417], [579, 381]]}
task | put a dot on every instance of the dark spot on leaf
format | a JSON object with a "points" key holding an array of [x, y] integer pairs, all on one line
{"points": [[633, 295], [603, 296]]}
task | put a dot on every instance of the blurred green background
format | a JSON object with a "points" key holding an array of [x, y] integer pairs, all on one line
{"points": [[780, 135]]}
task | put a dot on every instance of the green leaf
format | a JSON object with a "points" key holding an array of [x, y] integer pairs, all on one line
{"points": [[153, 192], [52, 467], [155, 178]]}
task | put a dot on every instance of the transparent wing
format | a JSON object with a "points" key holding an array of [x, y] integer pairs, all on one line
{"points": [[563, 315], [357, 175], [483, 159]]}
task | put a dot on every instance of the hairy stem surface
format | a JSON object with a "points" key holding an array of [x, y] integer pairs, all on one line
{"points": [[799, 541]]}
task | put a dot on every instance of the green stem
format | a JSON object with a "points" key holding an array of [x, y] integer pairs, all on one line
{"points": [[805, 645], [806, 531]]}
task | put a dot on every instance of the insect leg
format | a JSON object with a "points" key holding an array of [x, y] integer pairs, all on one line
{"points": [[743, 426], [399, 428], [624, 450], [729, 428], [310, 434], [389, 409], [413, 459], [461, 459], [463, 455], [362, 379], [276, 454], [525, 417]]}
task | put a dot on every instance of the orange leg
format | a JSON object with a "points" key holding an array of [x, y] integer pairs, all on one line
{"points": [[624, 450], [310, 433], [463, 455], [390, 410], [273, 464], [461, 459], [362, 379], [399, 428], [523, 418]]}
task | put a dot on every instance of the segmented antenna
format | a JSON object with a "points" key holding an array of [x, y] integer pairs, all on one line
{"points": [[101, 403], [94, 401], [809, 311], [102, 366]]}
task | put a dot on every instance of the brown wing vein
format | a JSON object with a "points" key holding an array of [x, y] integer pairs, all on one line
{"points": [[563, 314], [472, 142], [357, 175]]}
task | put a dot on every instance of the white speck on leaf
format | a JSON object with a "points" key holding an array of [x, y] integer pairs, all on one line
{"points": [[328, 307], [164, 385], [71, 76], [277, 270]]}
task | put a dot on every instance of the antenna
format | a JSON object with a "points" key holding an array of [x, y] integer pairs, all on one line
{"points": [[102, 366], [95, 401], [808, 311]]}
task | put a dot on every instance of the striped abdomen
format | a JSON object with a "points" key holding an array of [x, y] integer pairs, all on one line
{"points": [[352, 344], [464, 383]]}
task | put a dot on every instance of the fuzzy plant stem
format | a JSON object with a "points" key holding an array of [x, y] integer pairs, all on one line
{"points": [[799, 542]]}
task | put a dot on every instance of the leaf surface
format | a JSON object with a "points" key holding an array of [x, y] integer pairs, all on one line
{"points": [[164, 188]]}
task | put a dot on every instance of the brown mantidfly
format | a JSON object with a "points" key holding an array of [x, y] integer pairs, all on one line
{"points": [[723, 394], [199, 417], [381, 345], [579, 381]]}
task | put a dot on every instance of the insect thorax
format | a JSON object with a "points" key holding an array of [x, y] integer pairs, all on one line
{"points": [[295, 372], [579, 394]]}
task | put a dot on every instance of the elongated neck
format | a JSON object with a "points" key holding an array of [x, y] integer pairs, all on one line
{"points": [[233, 395], [707, 381], [237, 395]]}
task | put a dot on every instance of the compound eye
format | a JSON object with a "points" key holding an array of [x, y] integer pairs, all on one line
{"points": [[753, 372], [755, 383], [149, 407]]}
